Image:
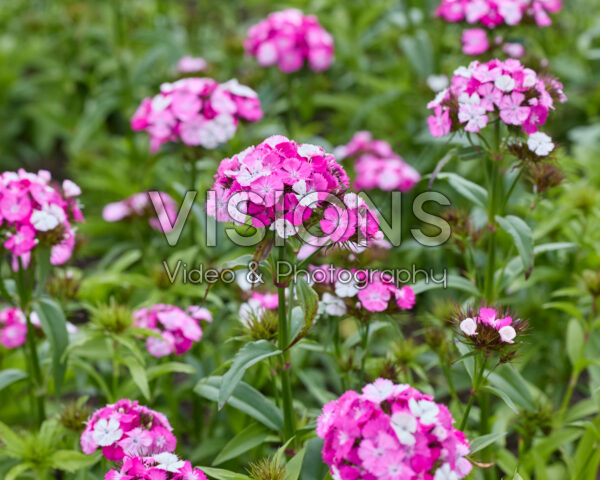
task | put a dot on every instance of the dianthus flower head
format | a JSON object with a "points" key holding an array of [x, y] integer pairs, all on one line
{"points": [[391, 432], [127, 429], [493, 13], [35, 211], [502, 90], [490, 329], [377, 165], [282, 185], [355, 291], [289, 39], [161, 214], [178, 328], [161, 466], [197, 112]]}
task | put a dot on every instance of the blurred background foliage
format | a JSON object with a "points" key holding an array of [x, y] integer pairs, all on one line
{"points": [[73, 72]]}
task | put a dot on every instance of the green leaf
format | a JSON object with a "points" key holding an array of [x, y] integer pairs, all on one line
{"points": [[507, 379], [250, 437], [476, 194], [10, 376], [452, 281], [220, 474], [42, 268], [480, 443], [54, 325], [575, 341], [313, 467], [522, 236], [17, 470], [14, 443], [169, 367], [294, 466], [71, 461], [251, 354], [138, 374], [499, 393], [246, 399], [308, 300]]}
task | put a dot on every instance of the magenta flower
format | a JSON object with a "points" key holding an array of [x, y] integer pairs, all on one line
{"points": [[35, 211], [189, 64], [391, 432], [475, 41], [178, 329], [500, 89], [196, 111], [160, 466], [127, 428], [288, 39], [377, 165], [492, 13]]}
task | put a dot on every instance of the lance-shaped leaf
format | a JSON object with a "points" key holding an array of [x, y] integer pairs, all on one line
{"points": [[522, 237], [251, 354]]}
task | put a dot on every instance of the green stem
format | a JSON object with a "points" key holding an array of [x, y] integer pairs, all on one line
{"points": [[115, 376], [365, 347], [33, 359], [289, 423], [477, 380]]}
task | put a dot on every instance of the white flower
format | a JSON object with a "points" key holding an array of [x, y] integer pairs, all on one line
{"points": [[507, 334], [238, 89], [308, 150], [333, 305], [445, 473], [404, 426], [168, 462], [346, 289], [378, 391], [437, 83], [425, 410], [107, 431], [71, 189], [540, 144], [284, 228], [469, 326], [48, 218], [505, 83]]}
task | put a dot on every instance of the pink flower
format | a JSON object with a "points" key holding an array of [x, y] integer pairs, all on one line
{"points": [[475, 41], [474, 116], [196, 111], [439, 123], [126, 429], [289, 39], [178, 329], [405, 297], [189, 64], [15, 207], [400, 434], [374, 297], [511, 110], [13, 335]]}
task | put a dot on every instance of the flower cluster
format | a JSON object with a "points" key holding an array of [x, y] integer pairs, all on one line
{"points": [[178, 329], [160, 214], [288, 39], [197, 111], [377, 165], [475, 41], [283, 185], [490, 329], [127, 429], [492, 13], [13, 327], [517, 95], [161, 466], [391, 432], [34, 211], [374, 291]]}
